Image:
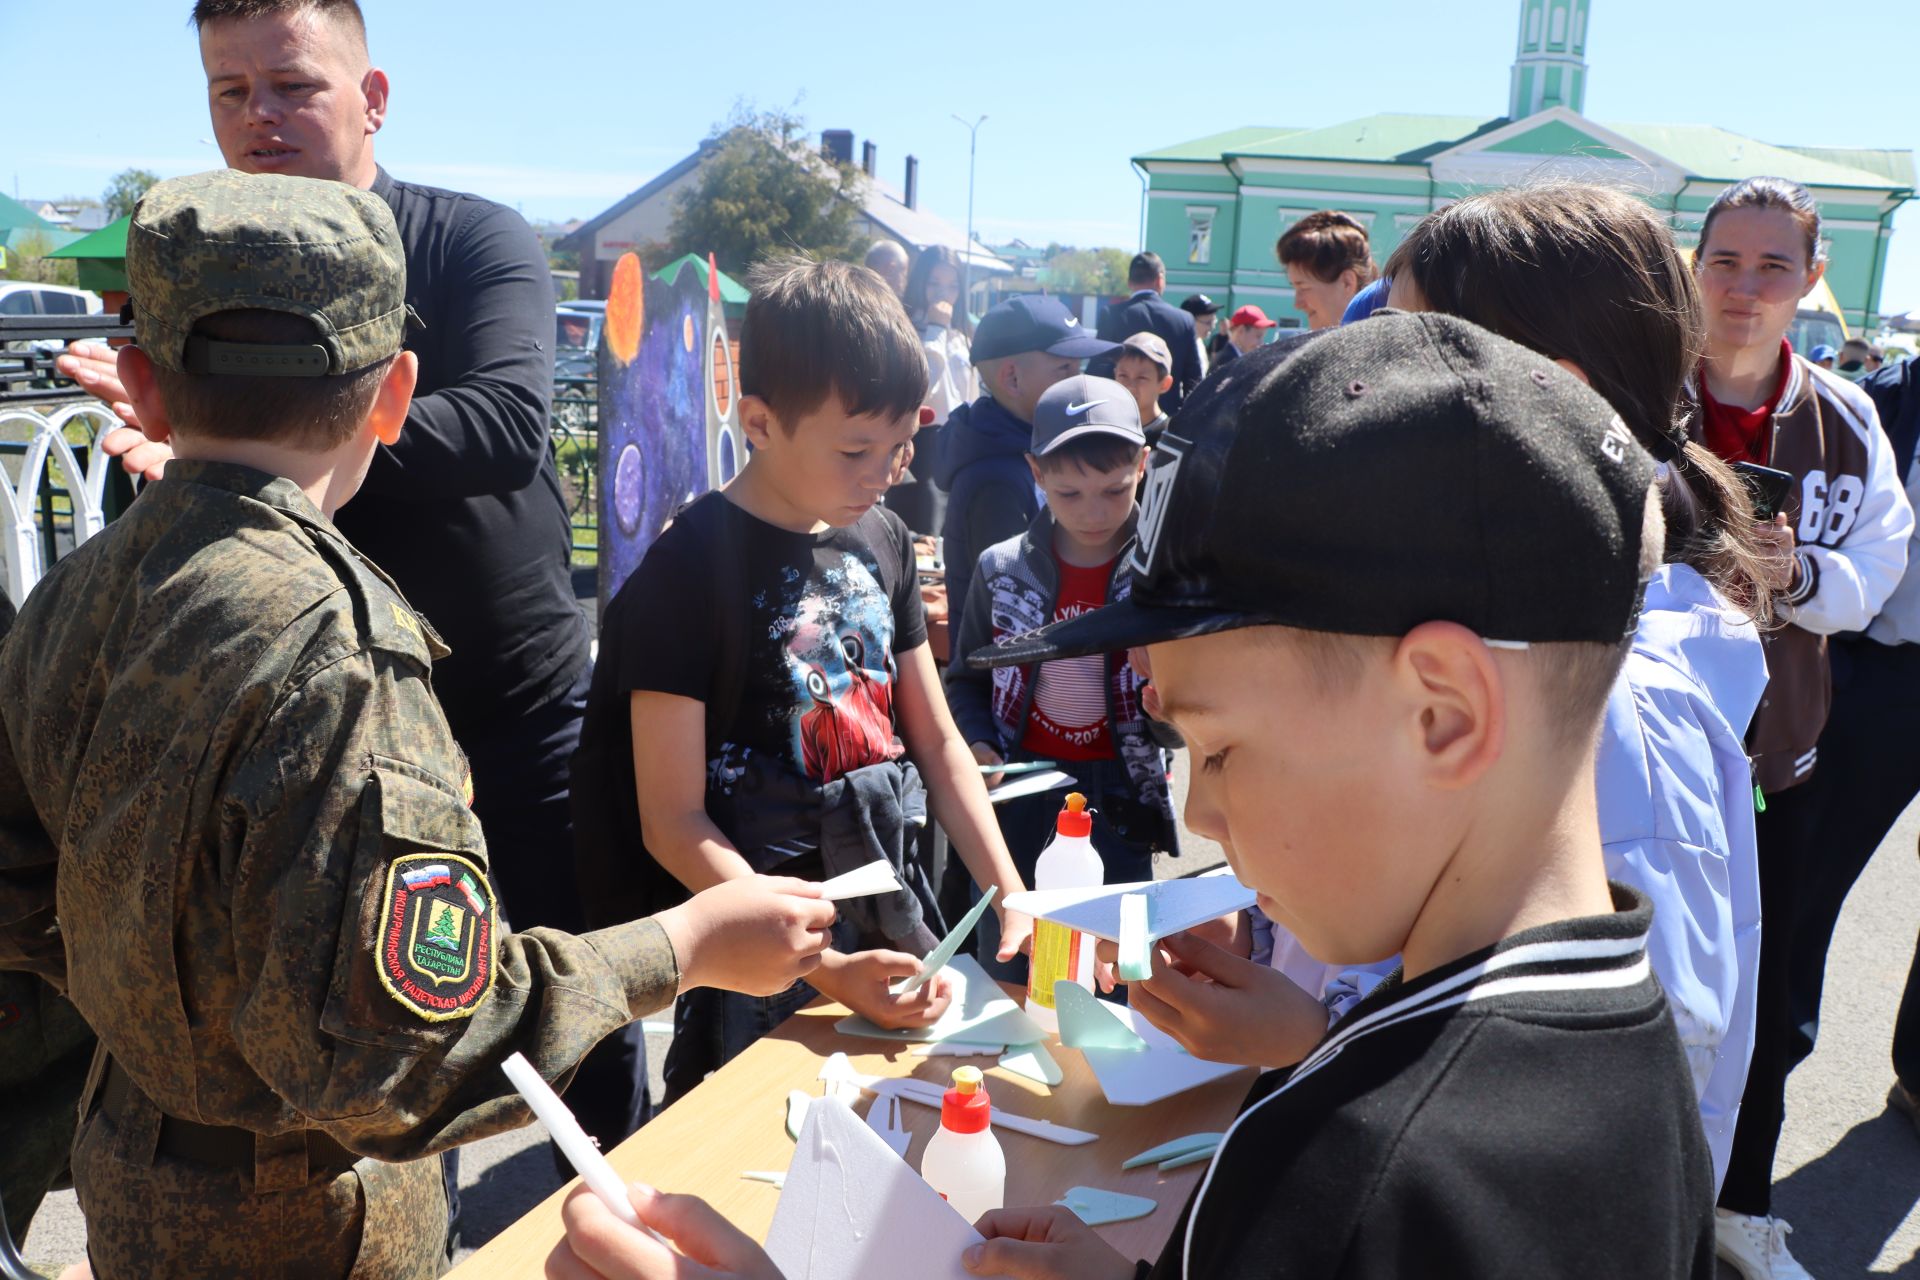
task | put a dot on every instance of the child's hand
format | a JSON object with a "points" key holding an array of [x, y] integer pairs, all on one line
{"points": [[1230, 933], [864, 982], [984, 754], [1043, 1244], [1016, 933], [940, 314], [598, 1246], [758, 934], [1223, 1008]]}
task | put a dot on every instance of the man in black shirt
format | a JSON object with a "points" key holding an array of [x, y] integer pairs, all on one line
{"points": [[464, 510]]}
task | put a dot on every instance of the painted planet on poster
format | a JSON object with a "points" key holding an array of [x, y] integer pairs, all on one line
{"points": [[626, 309], [626, 490]]}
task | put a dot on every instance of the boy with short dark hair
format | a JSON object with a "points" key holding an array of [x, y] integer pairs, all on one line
{"points": [[234, 826], [765, 698], [1084, 713], [1388, 645], [1145, 368]]}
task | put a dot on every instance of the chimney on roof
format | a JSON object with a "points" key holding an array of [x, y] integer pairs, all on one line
{"points": [[913, 182], [869, 156], [837, 145]]}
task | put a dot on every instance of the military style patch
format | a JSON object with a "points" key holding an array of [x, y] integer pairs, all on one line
{"points": [[436, 935]]}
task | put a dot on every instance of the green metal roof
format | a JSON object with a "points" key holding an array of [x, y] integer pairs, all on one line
{"points": [[731, 290], [1703, 151], [1215, 145], [109, 241], [1706, 151], [16, 216], [1385, 138], [1895, 166]]}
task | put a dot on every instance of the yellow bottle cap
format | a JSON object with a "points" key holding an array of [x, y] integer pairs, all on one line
{"points": [[967, 1079]]}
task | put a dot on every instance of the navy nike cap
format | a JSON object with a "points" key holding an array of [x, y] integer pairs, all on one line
{"points": [[1035, 322], [1368, 479], [1081, 406]]}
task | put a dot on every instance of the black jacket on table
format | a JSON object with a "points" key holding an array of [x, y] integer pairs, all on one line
{"points": [[465, 511], [1523, 1111], [1148, 312]]}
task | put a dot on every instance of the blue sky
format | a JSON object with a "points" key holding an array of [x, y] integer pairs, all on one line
{"points": [[564, 112]]}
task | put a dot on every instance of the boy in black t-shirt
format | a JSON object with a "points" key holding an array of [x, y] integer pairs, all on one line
{"points": [[764, 690], [1388, 645]]}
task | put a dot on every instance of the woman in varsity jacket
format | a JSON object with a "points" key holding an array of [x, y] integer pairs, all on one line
{"points": [[1841, 547]]}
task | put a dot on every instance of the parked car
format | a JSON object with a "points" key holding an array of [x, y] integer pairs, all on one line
{"points": [[576, 338], [27, 298]]}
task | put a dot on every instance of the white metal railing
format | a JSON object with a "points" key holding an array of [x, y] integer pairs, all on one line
{"points": [[46, 445]]}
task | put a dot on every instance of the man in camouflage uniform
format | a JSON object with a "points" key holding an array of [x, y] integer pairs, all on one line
{"points": [[44, 1048], [233, 823]]}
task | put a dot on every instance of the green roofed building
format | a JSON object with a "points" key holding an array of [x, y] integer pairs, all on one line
{"points": [[1215, 206]]}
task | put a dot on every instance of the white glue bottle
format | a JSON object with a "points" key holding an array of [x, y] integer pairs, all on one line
{"points": [[1061, 954], [963, 1160]]}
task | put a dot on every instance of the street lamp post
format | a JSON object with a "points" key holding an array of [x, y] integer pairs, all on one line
{"points": [[966, 260]]}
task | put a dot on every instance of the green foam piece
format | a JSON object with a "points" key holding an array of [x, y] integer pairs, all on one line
{"points": [[1192, 1157], [1096, 1207], [1177, 1147], [797, 1103], [1136, 943], [1086, 1022], [938, 957], [1034, 1062]]}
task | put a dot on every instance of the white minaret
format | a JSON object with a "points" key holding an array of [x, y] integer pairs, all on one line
{"points": [[1550, 68]]}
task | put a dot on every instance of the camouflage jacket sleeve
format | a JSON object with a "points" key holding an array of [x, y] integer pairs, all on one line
{"points": [[29, 939], [376, 993]]}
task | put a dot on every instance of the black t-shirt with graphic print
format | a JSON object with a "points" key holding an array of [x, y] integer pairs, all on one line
{"points": [[787, 638]]}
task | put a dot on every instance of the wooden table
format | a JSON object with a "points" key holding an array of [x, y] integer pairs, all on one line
{"points": [[736, 1121]]}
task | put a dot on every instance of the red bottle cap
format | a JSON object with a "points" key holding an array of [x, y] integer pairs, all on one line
{"points": [[965, 1108], [1075, 821]]}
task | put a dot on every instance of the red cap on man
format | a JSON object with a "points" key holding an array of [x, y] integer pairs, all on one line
{"points": [[1251, 315]]}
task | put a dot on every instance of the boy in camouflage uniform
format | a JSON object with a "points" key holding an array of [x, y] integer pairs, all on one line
{"points": [[44, 1048], [233, 823]]}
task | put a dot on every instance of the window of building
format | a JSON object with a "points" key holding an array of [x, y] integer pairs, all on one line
{"points": [[1533, 26], [1557, 29], [1580, 30], [1200, 234]]}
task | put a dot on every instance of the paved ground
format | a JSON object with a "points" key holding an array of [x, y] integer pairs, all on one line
{"points": [[1849, 1170]]}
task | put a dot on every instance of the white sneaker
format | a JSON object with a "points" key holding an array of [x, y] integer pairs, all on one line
{"points": [[1755, 1246]]}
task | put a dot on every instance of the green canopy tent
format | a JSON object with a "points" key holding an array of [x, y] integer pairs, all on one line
{"points": [[732, 292]]}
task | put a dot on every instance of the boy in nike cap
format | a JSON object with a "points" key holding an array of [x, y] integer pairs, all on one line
{"points": [[1385, 578], [1087, 458]]}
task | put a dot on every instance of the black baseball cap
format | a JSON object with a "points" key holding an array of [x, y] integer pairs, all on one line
{"points": [[1084, 405], [1199, 304], [1034, 322], [1367, 479]]}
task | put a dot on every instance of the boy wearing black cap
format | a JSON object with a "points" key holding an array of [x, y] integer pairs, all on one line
{"points": [[1021, 347], [1388, 645], [1084, 713]]}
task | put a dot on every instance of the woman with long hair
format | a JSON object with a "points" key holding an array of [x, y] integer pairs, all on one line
{"points": [[1841, 547], [939, 313]]}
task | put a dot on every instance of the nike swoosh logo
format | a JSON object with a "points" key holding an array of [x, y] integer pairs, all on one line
{"points": [[1082, 408]]}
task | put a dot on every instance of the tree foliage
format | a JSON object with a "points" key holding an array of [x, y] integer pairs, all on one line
{"points": [[764, 189], [1100, 272], [28, 260], [124, 190]]}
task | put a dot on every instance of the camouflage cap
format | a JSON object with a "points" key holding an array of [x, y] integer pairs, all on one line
{"points": [[227, 241]]}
